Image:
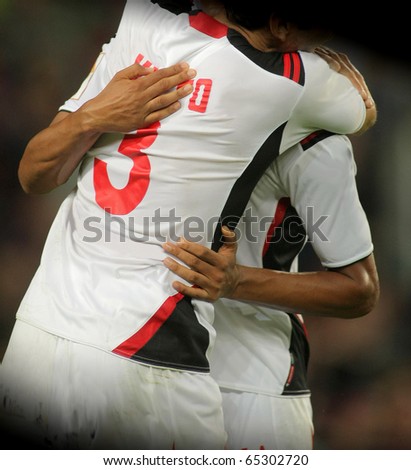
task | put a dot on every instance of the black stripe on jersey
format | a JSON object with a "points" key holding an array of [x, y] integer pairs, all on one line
{"points": [[288, 65], [314, 138], [180, 343], [297, 382], [286, 242], [245, 184]]}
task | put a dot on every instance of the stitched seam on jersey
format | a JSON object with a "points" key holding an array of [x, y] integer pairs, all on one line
{"points": [[168, 364]]}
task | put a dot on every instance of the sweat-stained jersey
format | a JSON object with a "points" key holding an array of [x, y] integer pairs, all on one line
{"points": [[101, 280], [309, 192]]}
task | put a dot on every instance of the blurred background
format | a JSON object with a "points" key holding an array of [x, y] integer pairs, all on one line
{"points": [[360, 370]]}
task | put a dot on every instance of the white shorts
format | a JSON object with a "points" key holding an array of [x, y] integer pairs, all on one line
{"points": [[64, 395], [254, 421]]}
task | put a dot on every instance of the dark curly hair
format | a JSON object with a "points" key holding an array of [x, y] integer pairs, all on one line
{"points": [[175, 6], [255, 15]]}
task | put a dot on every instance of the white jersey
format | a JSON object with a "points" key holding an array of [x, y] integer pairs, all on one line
{"points": [[101, 280], [309, 191]]}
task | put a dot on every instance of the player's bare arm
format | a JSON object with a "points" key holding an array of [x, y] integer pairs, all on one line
{"points": [[340, 63], [347, 292], [124, 105]]}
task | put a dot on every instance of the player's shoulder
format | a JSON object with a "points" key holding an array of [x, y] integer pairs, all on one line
{"points": [[319, 149], [140, 10], [314, 65]]}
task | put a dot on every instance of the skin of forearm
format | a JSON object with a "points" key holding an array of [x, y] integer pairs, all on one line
{"points": [[327, 293], [52, 155]]}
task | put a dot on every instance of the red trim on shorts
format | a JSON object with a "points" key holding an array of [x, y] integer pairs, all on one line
{"points": [[287, 66], [297, 67], [133, 344]]}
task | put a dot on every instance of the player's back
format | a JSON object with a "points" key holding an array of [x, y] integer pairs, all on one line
{"points": [[202, 162], [102, 261], [183, 169]]}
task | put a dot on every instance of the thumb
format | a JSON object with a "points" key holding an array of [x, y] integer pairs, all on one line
{"points": [[230, 240]]}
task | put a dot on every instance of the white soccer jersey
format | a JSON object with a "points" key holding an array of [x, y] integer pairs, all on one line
{"points": [[309, 190], [101, 280]]}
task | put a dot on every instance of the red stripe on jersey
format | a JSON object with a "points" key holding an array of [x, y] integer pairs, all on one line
{"points": [[292, 66], [132, 345], [297, 66], [309, 138], [208, 25], [300, 319], [280, 212], [287, 65]]}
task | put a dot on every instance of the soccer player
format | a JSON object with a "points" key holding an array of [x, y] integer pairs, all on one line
{"points": [[260, 356], [118, 358]]}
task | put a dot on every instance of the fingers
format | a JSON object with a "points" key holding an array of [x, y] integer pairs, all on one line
{"points": [[163, 80], [134, 71], [192, 254], [331, 61], [164, 88], [161, 87], [201, 287], [162, 106], [211, 275], [192, 277], [191, 291], [229, 237], [198, 260], [340, 63]]}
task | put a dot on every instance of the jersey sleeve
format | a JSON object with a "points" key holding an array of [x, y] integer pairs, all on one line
{"points": [[329, 101], [92, 85], [321, 182]]}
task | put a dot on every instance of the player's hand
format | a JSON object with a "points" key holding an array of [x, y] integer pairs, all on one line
{"points": [[211, 275], [136, 97], [340, 63]]}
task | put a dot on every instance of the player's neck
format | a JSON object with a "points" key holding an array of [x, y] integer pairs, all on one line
{"points": [[258, 38]]}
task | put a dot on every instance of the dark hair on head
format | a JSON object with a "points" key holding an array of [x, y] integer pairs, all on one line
{"points": [[175, 6], [256, 14]]}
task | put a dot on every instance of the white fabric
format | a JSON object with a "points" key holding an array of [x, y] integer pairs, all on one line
{"points": [[100, 278], [258, 422], [251, 352], [321, 185], [86, 286], [85, 398]]}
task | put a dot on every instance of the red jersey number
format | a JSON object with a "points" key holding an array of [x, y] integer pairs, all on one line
{"points": [[124, 200]]}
